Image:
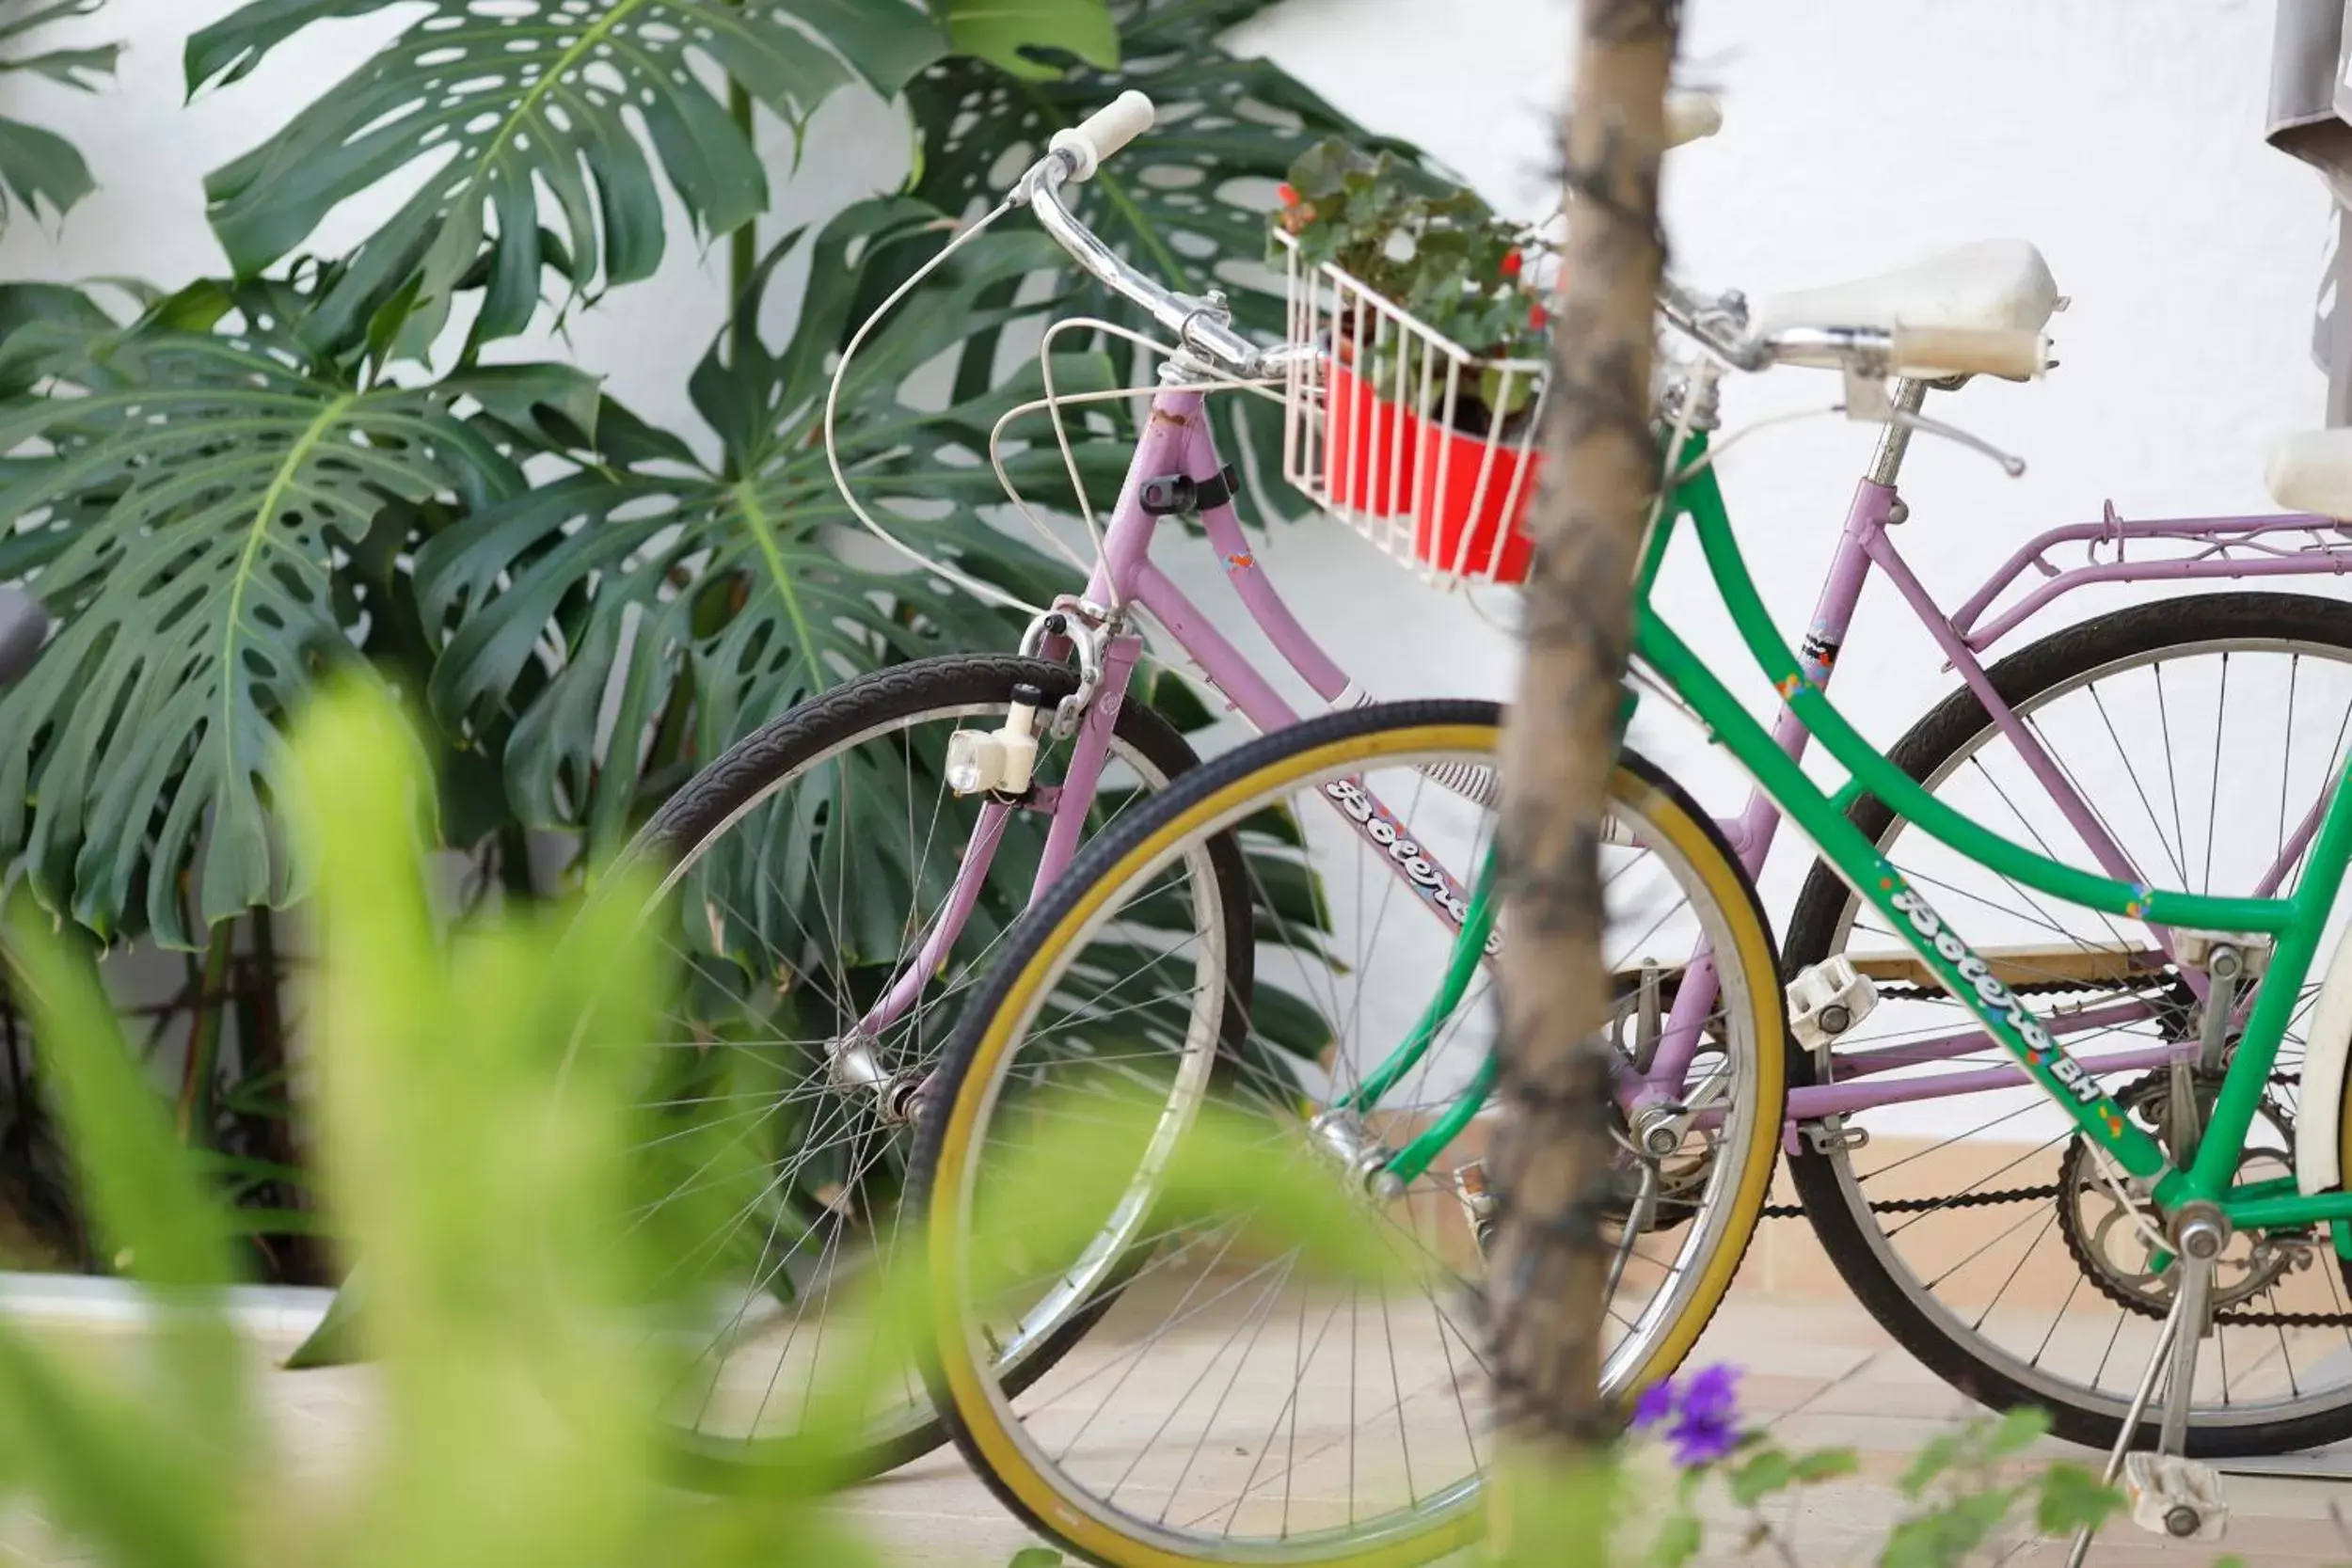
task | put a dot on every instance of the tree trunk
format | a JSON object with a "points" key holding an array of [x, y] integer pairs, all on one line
{"points": [[1601, 470]]}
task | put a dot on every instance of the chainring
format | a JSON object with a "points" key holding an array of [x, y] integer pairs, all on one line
{"points": [[2102, 1251]]}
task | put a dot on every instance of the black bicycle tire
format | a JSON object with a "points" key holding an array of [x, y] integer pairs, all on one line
{"points": [[1953, 722]]}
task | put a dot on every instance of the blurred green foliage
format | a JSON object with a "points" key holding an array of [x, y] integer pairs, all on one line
{"points": [[518, 1282]]}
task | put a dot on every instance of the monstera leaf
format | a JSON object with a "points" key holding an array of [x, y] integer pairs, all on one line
{"points": [[1004, 32], [39, 167], [213, 480], [512, 107], [1187, 201], [733, 593]]}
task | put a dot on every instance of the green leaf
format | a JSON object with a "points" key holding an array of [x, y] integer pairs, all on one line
{"points": [[552, 112], [23, 305], [2017, 1429], [1003, 32], [156, 1221], [336, 1339], [1934, 1457], [1036, 1557], [199, 494], [1763, 1475], [38, 16], [105, 1469], [742, 587], [144, 1193], [1825, 1465], [1187, 201], [1679, 1540], [71, 68], [2071, 1497], [40, 167], [1970, 1520], [1174, 699]]}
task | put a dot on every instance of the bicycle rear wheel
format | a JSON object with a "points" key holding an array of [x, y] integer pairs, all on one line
{"points": [[1238, 1403], [1974, 1226]]}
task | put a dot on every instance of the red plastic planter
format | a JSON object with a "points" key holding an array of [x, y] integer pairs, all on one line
{"points": [[1364, 467], [1378, 457]]}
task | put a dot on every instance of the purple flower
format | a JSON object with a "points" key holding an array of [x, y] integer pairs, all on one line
{"points": [[1712, 1393], [1699, 1415], [1656, 1405]]}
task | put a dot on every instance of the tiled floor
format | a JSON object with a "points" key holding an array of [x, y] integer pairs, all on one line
{"points": [[1819, 1371]]}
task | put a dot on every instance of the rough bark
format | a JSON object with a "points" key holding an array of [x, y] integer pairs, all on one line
{"points": [[1601, 471]]}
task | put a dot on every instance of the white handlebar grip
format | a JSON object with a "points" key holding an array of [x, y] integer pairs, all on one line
{"points": [[1104, 132], [1690, 116], [1932, 351]]}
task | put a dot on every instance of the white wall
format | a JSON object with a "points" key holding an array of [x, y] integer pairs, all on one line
{"points": [[2122, 137]]}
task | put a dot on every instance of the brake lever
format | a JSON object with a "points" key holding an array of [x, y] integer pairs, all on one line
{"points": [[2011, 466], [1867, 399]]}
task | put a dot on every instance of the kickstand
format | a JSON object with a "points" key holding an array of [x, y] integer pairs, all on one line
{"points": [[2175, 1360]]}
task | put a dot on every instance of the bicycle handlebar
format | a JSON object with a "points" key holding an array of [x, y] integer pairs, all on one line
{"points": [[1923, 353], [1104, 132], [1204, 326]]}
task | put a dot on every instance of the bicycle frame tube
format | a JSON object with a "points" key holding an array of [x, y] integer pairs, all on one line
{"points": [[2222, 547], [1863, 544], [2225, 547], [1842, 843], [2296, 921], [1751, 832], [1909, 798], [1176, 440], [1470, 951]]}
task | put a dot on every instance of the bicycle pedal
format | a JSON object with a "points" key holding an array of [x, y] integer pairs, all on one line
{"points": [[1478, 1204], [1828, 999], [2175, 1497]]}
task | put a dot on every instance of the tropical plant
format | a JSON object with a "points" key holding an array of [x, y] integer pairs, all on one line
{"points": [[1187, 202], [37, 168], [235, 488]]}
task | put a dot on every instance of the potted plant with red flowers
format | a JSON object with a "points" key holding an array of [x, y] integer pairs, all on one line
{"points": [[1436, 331]]}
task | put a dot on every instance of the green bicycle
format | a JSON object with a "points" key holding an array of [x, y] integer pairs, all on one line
{"points": [[2200, 1188]]}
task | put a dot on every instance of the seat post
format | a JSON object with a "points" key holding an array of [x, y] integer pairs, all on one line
{"points": [[1895, 440]]}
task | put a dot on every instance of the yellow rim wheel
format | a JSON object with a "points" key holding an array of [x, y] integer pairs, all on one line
{"points": [[1208, 1492]]}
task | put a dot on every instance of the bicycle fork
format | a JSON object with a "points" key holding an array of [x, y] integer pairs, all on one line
{"points": [[853, 1061]]}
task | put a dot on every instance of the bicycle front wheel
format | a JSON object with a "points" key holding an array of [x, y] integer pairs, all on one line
{"points": [[800, 875], [1242, 1400]]}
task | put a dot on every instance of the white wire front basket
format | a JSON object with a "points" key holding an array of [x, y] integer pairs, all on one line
{"points": [[1419, 445]]}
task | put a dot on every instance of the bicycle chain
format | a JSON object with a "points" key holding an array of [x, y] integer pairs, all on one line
{"points": [[2043, 1194], [2238, 1316], [2152, 982], [1921, 1205]]}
